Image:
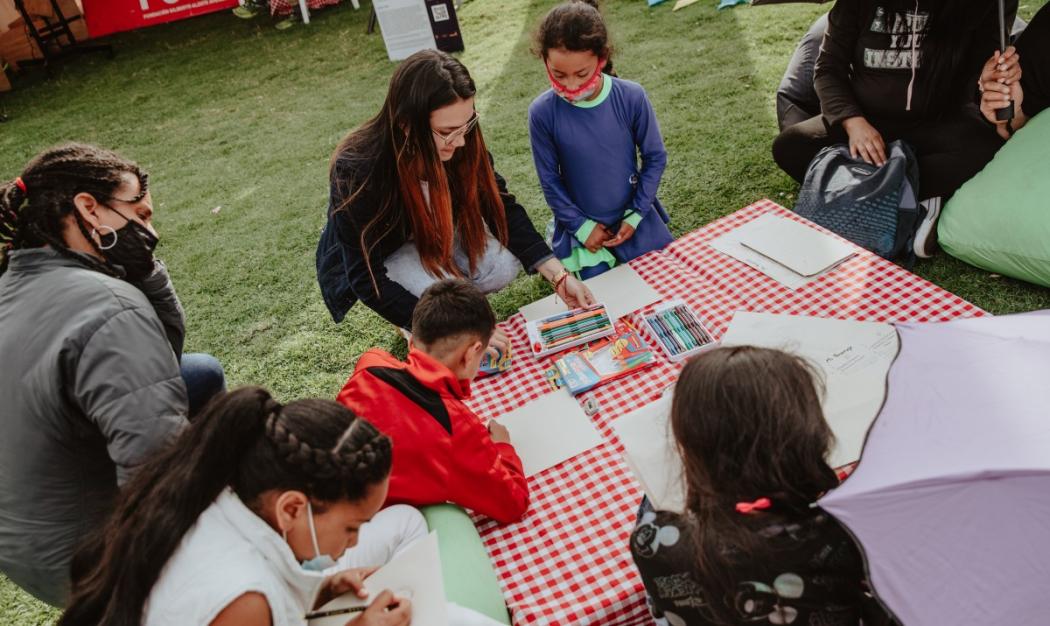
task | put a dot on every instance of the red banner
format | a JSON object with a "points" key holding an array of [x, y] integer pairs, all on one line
{"points": [[110, 16]]}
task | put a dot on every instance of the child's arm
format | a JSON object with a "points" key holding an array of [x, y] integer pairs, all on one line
{"points": [[545, 157], [646, 131], [489, 477]]}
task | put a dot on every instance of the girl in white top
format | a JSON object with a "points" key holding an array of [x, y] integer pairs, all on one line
{"points": [[235, 522]]}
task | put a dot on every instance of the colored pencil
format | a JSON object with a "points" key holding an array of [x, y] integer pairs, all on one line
{"points": [[666, 337], [558, 316], [688, 327], [680, 330], [680, 346], [570, 320], [581, 328]]}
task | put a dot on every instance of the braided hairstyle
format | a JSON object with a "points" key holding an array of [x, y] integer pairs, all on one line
{"points": [[36, 216], [244, 440]]}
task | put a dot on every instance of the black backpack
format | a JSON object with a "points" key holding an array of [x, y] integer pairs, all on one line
{"points": [[874, 207]]}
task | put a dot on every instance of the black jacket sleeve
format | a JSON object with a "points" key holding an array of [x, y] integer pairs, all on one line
{"points": [[523, 240], [384, 296], [1034, 48], [831, 76]]}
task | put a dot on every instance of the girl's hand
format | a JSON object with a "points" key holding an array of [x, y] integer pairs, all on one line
{"points": [[865, 141], [1004, 68], [344, 582], [575, 294], [626, 232], [995, 96], [386, 610], [598, 236]]}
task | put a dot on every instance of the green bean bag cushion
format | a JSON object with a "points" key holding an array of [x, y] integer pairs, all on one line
{"points": [[470, 580], [1000, 219]]}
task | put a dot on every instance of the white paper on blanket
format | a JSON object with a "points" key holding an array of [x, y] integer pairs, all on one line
{"points": [[550, 429], [854, 358], [730, 245], [621, 289], [416, 573], [650, 453], [802, 249]]}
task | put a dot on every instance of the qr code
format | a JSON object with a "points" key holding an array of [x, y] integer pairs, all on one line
{"points": [[440, 12]]}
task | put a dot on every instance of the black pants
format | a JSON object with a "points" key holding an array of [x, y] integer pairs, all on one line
{"points": [[950, 151]]}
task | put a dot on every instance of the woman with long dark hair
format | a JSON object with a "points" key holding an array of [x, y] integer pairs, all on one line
{"points": [[92, 371], [233, 523], [750, 548], [415, 198]]}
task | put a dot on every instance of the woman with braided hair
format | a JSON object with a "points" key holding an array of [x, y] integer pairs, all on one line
{"points": [[91, 334], [233, 523]]}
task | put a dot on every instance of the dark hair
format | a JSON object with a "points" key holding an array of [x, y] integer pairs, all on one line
{"points": [[34, 217], [576, 26], [395, 150], [244, 440], [449, 308], [748, 424]]}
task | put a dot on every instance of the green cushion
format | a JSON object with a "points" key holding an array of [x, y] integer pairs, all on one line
{"points": [[1000, 219], [470, 580]]}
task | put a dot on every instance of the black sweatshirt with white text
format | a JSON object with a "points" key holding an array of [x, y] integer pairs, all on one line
{"points": [[866, 59]]}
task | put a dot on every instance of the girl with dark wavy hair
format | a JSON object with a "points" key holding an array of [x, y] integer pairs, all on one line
{"points": [[414, 199], [750, 547]]}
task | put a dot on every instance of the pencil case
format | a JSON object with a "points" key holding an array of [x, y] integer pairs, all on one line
{"points": [[679, 331], [491, 367], [556, 333]]}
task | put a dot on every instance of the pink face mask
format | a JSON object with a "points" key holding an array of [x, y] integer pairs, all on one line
{"points": [[582, 92]]}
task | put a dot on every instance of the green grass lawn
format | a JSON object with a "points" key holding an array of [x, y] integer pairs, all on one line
{"points": [[235, 114]]}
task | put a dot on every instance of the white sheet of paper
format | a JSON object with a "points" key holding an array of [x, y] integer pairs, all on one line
{"points": [[730, 245], [405, 27], [621, 289], [550, 429], [854, 357], [802, 249], [415, 572], [651, 455]]}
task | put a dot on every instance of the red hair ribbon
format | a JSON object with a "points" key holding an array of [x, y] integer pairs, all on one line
{"points": [[20, 184], [749, 507]]}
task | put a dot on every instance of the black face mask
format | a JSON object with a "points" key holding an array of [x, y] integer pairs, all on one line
{"points": [[132, 250]]}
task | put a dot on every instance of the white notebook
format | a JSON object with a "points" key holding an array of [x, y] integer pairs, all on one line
{"points": [[550, 429], [414, 573], [802, 249]]}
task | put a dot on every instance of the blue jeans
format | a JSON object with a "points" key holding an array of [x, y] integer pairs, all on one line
{"points": [[204, 379]]}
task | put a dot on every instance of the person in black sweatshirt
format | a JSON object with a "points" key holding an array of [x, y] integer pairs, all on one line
{"points": [[903, 69]]}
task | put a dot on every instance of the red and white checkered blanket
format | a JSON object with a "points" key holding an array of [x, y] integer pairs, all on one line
{"points": [[568, 562]]}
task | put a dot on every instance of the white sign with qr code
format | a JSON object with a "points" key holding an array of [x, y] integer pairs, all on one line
{"points": [[440, 12]]}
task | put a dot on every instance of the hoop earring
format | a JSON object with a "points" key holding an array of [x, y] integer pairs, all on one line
{"points": [[113, 231]]}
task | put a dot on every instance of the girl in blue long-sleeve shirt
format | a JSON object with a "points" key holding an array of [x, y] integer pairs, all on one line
{"points": [[597, 148]]}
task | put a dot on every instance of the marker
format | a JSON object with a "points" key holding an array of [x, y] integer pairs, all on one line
{"points": [[688, 327], [680, 330]]}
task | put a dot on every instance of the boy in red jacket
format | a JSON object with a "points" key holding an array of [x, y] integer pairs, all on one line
{"points": [[442, 450]]}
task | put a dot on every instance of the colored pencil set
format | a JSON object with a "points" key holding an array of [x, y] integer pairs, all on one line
{"points": [[566, 330], [679, 330], [604, 360]]}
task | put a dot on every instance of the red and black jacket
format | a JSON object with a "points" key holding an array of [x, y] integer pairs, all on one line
{"points": [[442, 450]]}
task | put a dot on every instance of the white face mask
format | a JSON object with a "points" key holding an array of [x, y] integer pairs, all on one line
{"points": [[320, 562]]}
